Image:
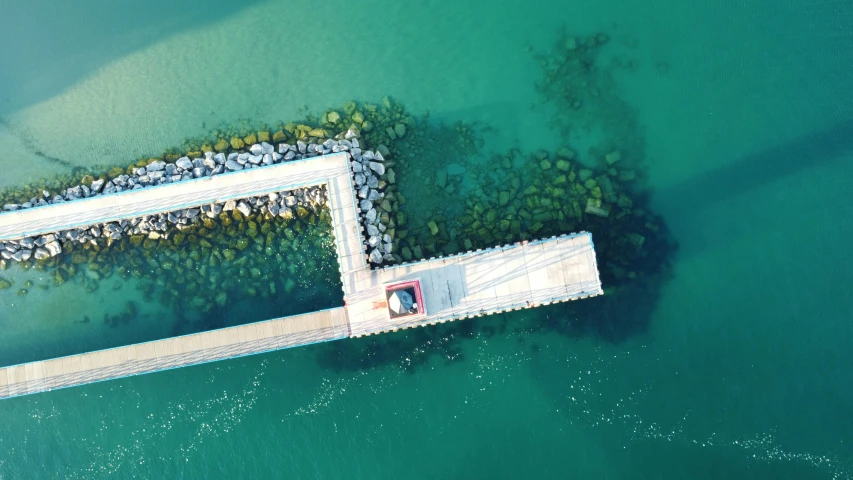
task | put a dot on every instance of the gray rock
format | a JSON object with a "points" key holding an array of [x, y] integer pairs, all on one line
{"points": [[374, 195], [357, 167], [378, 168], [41, 254], [267, 159], [219, 159], [96, 186], [378, 156], [28, 242], [290, 155], [301, 146], [255, 159], [370, 216], [266, 148], [244, 208], [276, 157], [256, 149], [156, 166], [359, 179], [363, 192], [376, 257], [365, 205], [25, 254], [232, 165], [185, 163], [209, 163], [42, 240], [229, 205], [372, 181], [372, 230], [198, 172], [290, 201], [283, 148]]}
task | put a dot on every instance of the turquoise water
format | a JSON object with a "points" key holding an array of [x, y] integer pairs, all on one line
{"points": [[736, 365]]}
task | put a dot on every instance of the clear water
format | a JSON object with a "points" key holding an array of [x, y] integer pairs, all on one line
{"points": [[738, 366]]}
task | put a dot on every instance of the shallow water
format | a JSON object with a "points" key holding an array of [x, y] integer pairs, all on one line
{"points": [[734, 365]]}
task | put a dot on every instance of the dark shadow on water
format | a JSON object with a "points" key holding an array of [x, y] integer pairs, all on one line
{"points": [[47, 47], [689, 198], [755, 170]]}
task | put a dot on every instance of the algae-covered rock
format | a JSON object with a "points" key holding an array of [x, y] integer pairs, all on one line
{"points": [[503, 197], [545, 165], [22, 292], [302, 212], [179, 238], [5, 284], [594, 207], [250, 139], [400, 130], [221, 145], [278, 136], [613, 157], [237, 143], [149, 243], [242, 244], [566, 152], [221, 299], [229, 254], [433, 228], [317, 132], [563, 165], [264, 137], [333, 117], [289, 285]]}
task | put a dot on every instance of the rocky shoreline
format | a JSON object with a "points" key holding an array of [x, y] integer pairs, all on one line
{"points": [[367, 165]]}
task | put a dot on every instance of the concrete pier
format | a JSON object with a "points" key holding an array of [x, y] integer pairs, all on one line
{"points": [[482, 282]]}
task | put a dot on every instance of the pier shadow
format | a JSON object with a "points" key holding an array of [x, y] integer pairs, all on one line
{"points": [[688, 199], [47, 47]]}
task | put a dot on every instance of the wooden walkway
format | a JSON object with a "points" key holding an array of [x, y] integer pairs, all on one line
{"points": [[172, 196], [169, 353], [477, 283]]}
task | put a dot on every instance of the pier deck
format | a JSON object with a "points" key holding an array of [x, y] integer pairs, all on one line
{"points": [[510, 277]]}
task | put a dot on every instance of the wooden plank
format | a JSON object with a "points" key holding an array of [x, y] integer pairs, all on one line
{"points": [[482, 275], [537, 275]]}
